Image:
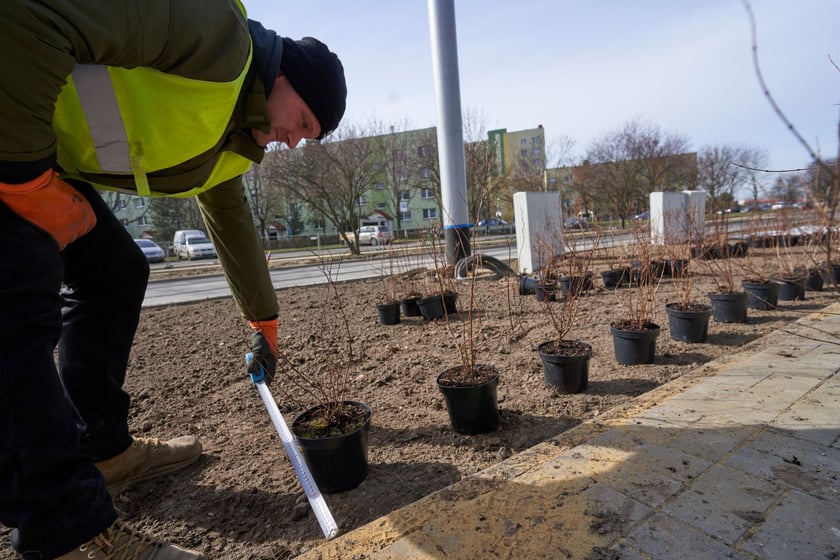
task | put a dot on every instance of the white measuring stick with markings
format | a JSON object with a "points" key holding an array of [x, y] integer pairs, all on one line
{"points": [[313, 494]]}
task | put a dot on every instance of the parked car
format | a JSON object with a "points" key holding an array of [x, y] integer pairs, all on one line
{"points": [[495, 225], [577, 223], [374, 235], [642, 215], [196, 247], [180, 239], [153, 252]]}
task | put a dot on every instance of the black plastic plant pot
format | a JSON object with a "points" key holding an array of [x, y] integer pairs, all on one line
{"points": [[409, 307], [729, 308], [546, 291], [615, 277], [634, 347], [450, 302], [527, 285], [831, 274], [688, 325], [389, 313], [569, 372], [815, 281], [761, 295], [791, 288], [676, 268], [337, 463], [431, 307], [574, 285], [473, 409]]}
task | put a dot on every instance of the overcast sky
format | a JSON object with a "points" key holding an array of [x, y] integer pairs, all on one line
{"points": [[583, 68]]}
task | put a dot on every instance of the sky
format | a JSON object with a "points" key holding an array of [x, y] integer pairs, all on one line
{"points": [[584, 68]]}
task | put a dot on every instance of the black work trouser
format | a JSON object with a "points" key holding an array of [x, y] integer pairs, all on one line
{"points": [[54, 426]]}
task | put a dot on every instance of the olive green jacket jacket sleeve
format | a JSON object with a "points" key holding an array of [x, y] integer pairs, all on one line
{"points": [[227, 215]]}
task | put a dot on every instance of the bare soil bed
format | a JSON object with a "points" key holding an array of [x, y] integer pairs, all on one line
{"points": [[242, 500]]}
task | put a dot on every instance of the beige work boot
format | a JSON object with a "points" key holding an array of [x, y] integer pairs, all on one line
{"points": [[118, 542], [148, 458]]}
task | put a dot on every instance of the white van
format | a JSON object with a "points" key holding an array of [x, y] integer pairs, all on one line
{"points": [[192, 244]]}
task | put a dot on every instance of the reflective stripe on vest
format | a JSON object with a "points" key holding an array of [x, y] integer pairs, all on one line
{"points": [[102, 112]]}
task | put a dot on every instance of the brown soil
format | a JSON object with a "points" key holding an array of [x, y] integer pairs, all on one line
{"points": [[242, 500]]}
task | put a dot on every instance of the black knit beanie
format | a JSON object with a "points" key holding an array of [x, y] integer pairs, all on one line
{"points": [[316, 73]]}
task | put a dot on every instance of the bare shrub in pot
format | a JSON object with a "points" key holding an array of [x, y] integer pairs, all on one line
{"points": [[565, 361]]}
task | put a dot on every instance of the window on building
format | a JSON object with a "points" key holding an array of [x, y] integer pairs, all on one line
{"points": [[405, 195], [427, 193], [124, 222], [523, 153], [402, 175], [426, 173], [536, 151], [552, 181], [398, 155], [122, 203], [424, 151], [536, 162], [523, 141], [362, 200], [318, 223], [405, 216], [536, 140], [143, 221], [380, 186], [381, 205], [377, 166], [429, 213], [139, 202]]}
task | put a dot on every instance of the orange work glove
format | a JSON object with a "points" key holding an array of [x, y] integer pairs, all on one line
{"points": [[264, 348], [52, 205]]}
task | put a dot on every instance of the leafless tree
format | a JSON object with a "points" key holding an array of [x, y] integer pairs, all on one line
{"points": [[262, 186], [484, 187], [625, 165], [330, 177], [718, 174], [400, 164]]}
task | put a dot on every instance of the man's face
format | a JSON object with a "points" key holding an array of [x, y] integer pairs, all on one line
{"points": [[290, 118]]}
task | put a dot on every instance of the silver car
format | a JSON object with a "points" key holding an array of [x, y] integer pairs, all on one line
{"points": [[196, 247], [153, 252]]}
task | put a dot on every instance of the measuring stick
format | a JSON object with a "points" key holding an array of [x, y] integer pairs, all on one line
{"points": [[313, 494]]}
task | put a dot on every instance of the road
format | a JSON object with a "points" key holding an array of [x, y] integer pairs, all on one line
{"points": [[374, 264]]}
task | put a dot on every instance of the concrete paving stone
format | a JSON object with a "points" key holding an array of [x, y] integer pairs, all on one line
{"points": [[641, 483], [518, 521], [661, 458], [647, 429], [673, 414], [778, 392], [661, 537], [743, 375], [795, 462], [800, 526], [724, 502], [712, 443], [815, 417], [614, 512]]}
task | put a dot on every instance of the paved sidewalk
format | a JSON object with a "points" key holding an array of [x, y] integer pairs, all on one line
{"points": [[742, 464]]}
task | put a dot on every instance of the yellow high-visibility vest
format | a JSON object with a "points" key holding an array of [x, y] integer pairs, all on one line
{"points": [[119, 121]]}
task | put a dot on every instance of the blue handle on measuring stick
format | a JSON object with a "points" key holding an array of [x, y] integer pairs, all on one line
{"points": [[255, 377]]}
